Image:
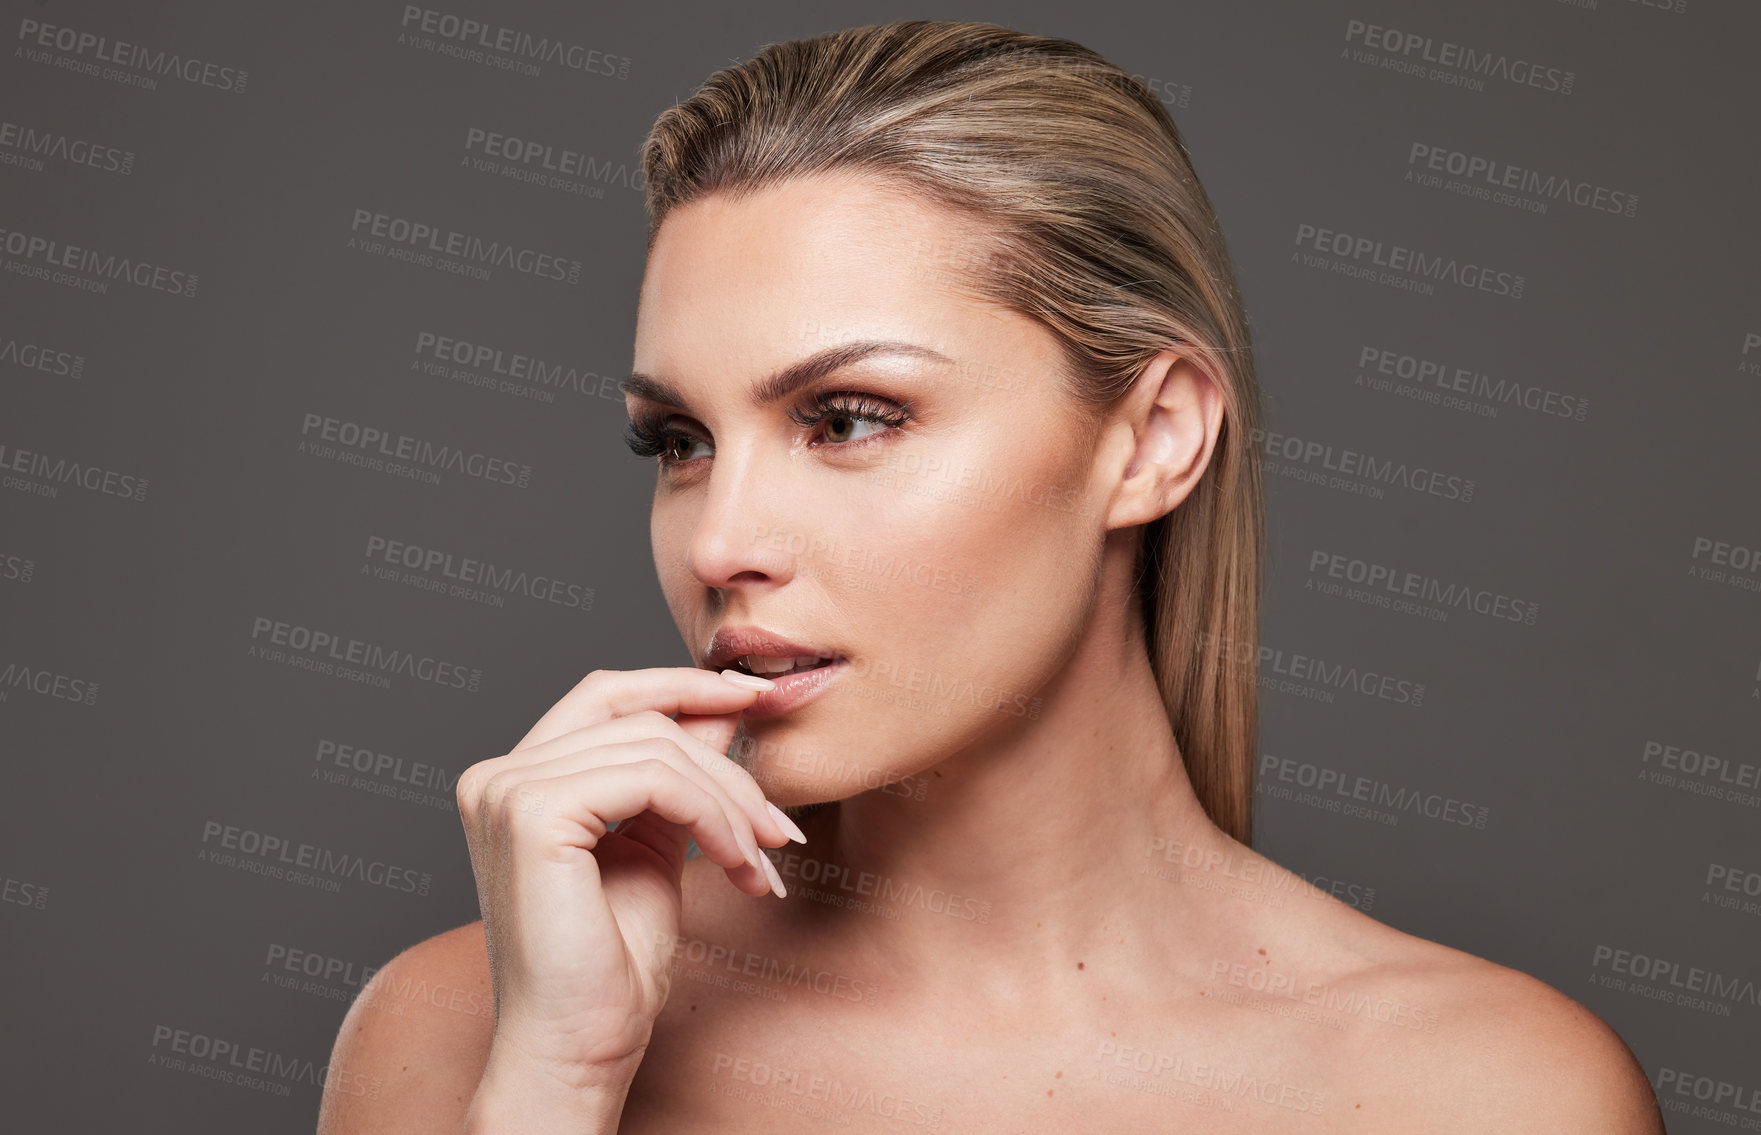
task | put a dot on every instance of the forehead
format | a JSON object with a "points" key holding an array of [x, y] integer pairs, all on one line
{"points": [[806, 264]]}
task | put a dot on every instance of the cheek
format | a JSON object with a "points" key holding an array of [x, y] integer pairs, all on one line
{"points": [[962, 587], [669, 534]]}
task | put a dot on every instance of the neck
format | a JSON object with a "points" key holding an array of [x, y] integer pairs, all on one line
{"points": [[1034, 857]]}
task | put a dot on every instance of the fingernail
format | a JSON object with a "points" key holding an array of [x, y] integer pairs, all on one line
{"points": [[749, 681], [776, 880], [785, 823]]}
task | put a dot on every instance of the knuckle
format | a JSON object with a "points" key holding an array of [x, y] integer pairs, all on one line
{"points": [[469, 787], [660, 749], [593, 684], [503, 790], [651, 719]]}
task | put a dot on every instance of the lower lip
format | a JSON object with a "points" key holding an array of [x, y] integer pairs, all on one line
{"points": [[795, 690]]}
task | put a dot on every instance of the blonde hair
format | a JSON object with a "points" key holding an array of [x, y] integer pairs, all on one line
{"points": [[1092, 222]]}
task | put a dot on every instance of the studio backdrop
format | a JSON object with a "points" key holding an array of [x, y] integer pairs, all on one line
{"points": [[312, 494]]}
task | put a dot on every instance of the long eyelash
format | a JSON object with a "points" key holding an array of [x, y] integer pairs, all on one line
{"points": [[862, 407], [646, 438]]}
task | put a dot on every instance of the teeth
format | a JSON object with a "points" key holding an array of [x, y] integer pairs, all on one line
{"points": [[766, 664]]}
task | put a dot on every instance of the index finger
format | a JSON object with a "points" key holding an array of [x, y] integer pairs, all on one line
{"points": [[605, 694]]}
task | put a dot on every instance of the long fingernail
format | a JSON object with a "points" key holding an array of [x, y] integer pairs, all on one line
{"points": [[788, 825], [776, 880], [749, 681]]}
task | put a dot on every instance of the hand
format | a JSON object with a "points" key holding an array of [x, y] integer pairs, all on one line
{"points": [[580, 924]]}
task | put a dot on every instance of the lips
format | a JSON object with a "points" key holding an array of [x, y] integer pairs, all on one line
{"points": [[730, 644]]}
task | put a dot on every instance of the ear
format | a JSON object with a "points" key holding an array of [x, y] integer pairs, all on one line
{"points": [[1160, 436]]}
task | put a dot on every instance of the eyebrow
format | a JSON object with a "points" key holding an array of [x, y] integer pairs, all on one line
{"points": [[792, 377]]}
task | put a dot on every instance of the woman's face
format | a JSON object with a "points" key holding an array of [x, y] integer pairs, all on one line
{"points": [[939, 527]]}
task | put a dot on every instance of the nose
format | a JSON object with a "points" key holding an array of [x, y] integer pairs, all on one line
{"points": [[742, 535]]}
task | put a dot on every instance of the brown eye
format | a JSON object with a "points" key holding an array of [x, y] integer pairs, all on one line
{"points": [[839, 415]]}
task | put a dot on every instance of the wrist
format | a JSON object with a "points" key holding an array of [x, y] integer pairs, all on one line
{"points": [[515, 1098]]}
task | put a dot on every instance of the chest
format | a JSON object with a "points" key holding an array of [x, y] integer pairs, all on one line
{"points": [[711, 1070]]}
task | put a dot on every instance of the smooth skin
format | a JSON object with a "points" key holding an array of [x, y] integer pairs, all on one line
{"points": [[1017, 917]]}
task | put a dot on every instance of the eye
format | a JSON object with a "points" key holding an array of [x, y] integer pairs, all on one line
{"points": [[646, 439], [840, 412]]}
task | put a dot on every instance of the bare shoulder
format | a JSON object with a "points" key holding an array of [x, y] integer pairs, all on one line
{"points": [[1490, 1048], [414, 1044]]}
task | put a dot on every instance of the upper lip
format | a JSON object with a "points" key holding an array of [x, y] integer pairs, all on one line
{"points": [[731, 643]]}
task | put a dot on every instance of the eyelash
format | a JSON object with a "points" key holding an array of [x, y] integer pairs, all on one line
{"points": [[647, 439]]}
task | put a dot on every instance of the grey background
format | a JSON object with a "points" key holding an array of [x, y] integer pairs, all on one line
{"points": [[115, 928]]}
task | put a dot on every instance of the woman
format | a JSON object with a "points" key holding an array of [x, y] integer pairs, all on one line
{"points": [[947, 377]]}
